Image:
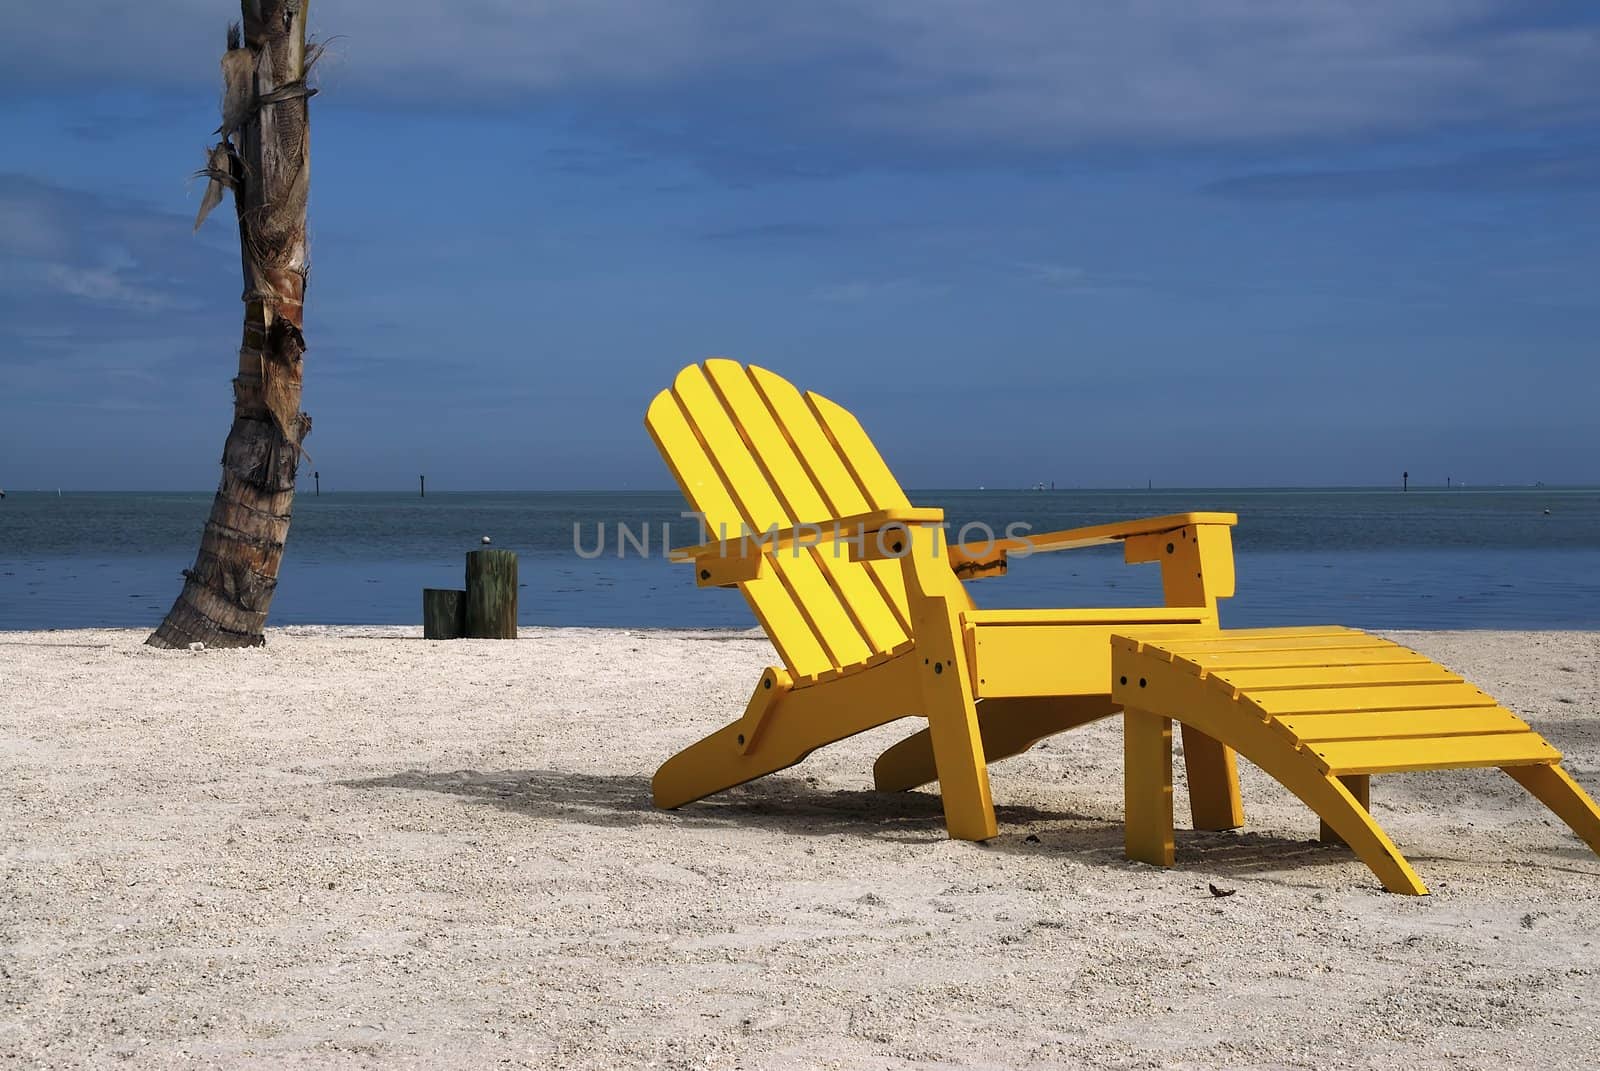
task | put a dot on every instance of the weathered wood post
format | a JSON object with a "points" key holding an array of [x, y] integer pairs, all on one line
{"points": [[491, 595], [444, 614]]}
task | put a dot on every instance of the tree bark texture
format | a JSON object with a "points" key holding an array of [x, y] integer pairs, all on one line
{"points": [[265, 159]]}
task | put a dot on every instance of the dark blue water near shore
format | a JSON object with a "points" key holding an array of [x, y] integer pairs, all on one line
{"points": [[1375, 559]]}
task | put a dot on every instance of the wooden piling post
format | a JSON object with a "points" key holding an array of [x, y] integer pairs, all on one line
{"points": [[444, 614], [491, 595], [422, 487]]}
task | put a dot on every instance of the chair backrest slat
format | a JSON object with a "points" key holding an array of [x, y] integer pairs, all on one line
{"points": [[703, 486], [866, 465], [791, 480], [760, 509], [871, 472], [749, 452], [841, 493]]}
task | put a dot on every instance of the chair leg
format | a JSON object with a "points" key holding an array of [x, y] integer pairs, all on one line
{"points": [[1349, 821], [936, 602], [1553, 787], [1213, 775], [1147, 744], [1147, 786], [957, 751], [710, 765], [1359, 786], [782, 726], [1009, 726]]}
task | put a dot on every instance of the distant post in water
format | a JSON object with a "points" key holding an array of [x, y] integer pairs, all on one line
{"points": [[491, 595], [422, 487], [317, 476], [1405, 481]]}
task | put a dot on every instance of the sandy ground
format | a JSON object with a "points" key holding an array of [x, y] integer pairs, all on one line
{"points": [[357, 848]]}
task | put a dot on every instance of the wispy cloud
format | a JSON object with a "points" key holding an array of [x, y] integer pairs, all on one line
{"points": [[98, 289], [106, 284], [773, 232], [589, 161], [1499, 172], [870, 290], [1072, 279], [882, 75]]}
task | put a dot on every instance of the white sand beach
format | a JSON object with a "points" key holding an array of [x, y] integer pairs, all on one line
{"points": [[357, 848]]}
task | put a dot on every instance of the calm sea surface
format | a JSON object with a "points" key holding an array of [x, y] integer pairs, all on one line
{"points": [[1374, 559]]}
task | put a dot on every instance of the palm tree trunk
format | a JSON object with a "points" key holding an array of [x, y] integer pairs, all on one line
{"points": [[265, 158]]}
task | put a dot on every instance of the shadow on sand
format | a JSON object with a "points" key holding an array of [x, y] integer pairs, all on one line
{"points": [[794, 806]]}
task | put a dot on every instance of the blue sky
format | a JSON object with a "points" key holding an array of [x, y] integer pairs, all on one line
{"points": [[1227, 243]]}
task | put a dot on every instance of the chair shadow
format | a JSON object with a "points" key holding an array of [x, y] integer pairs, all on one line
{"points": [[781, 804], [794, 805], [1235, 853]]}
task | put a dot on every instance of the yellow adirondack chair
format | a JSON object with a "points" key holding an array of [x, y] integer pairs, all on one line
{"points": [[864, 601]]}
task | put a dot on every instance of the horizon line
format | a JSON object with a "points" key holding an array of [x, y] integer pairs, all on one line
{"points": [[1032, 489]]}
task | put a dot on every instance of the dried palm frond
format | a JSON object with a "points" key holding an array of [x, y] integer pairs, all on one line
{"points": [[219, 172], [238, 74], [289, 91]]}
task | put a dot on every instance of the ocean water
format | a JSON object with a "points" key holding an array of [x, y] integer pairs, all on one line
{"points": [[1523, 558]]}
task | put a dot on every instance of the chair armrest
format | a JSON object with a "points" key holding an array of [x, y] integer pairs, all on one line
{"points": [[1096, 535], [742, 558], [1195, 551], [1121, 531]]}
